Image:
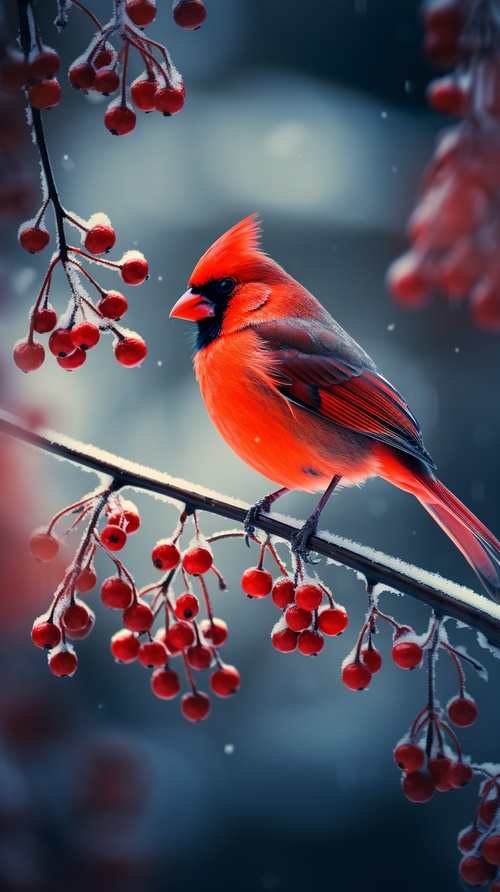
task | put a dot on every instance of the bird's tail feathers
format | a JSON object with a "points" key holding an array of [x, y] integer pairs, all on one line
{"points": [[474, 540]]}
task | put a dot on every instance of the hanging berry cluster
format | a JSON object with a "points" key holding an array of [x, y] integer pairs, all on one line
{"points": [[455, 227], [78, 329], [103, 67]]}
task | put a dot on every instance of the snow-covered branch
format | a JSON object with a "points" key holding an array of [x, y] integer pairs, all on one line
{"points": [[446, 598]]}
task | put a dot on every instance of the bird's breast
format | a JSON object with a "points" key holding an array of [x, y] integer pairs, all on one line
{"points": [[281, 441]]}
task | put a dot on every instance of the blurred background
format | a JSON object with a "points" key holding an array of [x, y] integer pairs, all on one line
{"points": [[313, 115]]}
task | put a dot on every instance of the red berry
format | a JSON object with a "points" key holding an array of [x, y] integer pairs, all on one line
{"points": [[284, 640], [141, 12], [34, 238], [462, 711], [105, 57], [165, 556], [490, 850], [75, 617], [197, 560], [120, 119], [332, 620], [165, 683], [310, 643], [100, 238], [130, 351], [485, 305], [60, 343], [45, 634], [460, 774], [81, 76], [409, 756], [283, 592], [189, 14], [418, 786], [308, 596], [439, 768], [226, 681], [372, 659], [84, 335], [44, 546], [487, 810], [44, 94], [73, 360], [142, 93], [186, 606], [14, 71], [28, 356], [152, 654], [195, 707], [44, 320], [467, 839], [63, 663], [214, 631], [407, 654], [134, 268], [446, 95], [298, 619], [113, 537], [180, 635], [356, 676], [138, 617], [44, 65], [126, 517], [116, 593], [169, 100], [86, 579], [124, 646], [256, 583], [113, 305], [199, 656], [407, 281], [76, 634], [106, 81], [441, 48], [476, 871]]}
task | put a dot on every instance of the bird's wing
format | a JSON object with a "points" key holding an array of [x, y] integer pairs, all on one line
{"points": [[320, 368]]}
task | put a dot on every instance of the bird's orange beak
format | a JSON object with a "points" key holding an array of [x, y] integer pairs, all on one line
{"points": [[192, 306]]}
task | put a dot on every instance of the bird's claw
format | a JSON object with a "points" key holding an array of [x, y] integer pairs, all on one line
{"points": [[299, 540], [261, 507]]}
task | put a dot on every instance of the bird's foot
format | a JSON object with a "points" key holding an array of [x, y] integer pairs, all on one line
{"points": [[263, 506], [299, 540]]}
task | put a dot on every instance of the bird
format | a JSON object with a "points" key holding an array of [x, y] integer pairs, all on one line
{"points": [[300, 402]]}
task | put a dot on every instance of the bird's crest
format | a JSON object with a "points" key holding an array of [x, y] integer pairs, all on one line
{"points": [[234, 252]]}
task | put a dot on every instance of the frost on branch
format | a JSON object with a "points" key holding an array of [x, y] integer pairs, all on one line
{"points": [[455, 227]]}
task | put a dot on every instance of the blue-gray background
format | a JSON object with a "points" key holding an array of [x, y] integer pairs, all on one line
{"points": [[313, 115]]}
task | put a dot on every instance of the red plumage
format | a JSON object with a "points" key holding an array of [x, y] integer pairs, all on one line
{"points": [[299, 400]]}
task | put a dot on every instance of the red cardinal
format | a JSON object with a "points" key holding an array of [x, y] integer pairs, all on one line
{"points": [[300, 402]]}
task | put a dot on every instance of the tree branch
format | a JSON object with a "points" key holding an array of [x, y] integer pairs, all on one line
{"points": [[446, 598]]}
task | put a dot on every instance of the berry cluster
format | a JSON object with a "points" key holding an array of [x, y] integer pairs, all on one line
{"points": [[103, 68], [185, 632], [79, 328], [455, 227], [36, 72], [480, 841]]}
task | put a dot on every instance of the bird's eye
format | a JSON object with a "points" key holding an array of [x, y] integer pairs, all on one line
{"points": [[224, 286]]}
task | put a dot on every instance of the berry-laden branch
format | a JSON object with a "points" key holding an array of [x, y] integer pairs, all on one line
{"points": [[102, 68], [170, 622], [455, 226], [441, 595]]}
